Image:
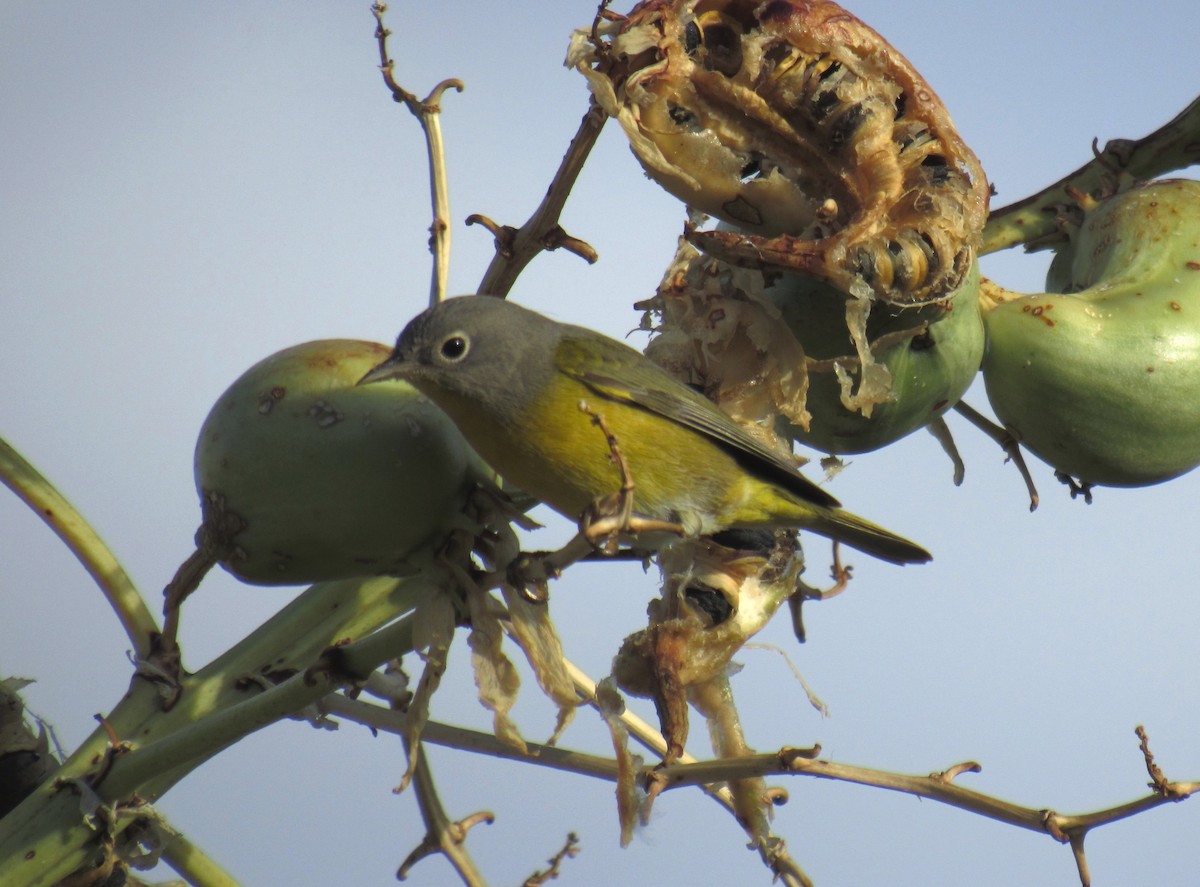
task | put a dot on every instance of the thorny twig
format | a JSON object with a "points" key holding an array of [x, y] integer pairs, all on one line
{"points": [[602, 526], [569, 851], [713, 775], [426, 111], [515, 248], [609, 517], [379, 718], [772, 850], [841, 575], [938, 787], [443, 835]]}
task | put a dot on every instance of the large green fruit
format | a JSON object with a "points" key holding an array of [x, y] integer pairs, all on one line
{"points": [[330, 480], [1102, 379], [929, 371]]}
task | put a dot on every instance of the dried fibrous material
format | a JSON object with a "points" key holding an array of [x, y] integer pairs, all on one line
{"points": [[802, 126], [715, 599], [716, 330], [777, 354]]}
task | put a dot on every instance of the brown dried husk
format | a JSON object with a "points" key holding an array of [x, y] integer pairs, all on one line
{"points": [[800, 124]]}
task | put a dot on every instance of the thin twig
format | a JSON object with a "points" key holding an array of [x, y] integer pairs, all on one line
{"points": [[941, 433], [937, 787], [1173, 146], [186, 580], [97, 558], [1007, 442], [515, 248], [569, 851], [652, 739], [426, 111], [554, 757], [713, 775], [475, 741], [443, 835]]}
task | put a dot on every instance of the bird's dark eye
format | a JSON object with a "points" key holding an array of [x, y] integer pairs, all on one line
{"points": [[455, 347]]}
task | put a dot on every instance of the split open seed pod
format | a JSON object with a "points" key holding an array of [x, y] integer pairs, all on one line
{"points": [[802, 126]]}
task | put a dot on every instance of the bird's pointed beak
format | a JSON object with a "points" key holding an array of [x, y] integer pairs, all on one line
{"points": [[394, 367]]}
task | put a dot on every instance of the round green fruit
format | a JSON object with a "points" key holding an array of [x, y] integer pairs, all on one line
{"points": [[325, 479], [934, 354], [1102, 378]]}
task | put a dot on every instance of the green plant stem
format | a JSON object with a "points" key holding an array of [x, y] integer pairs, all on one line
{"points": [[46, 838], [185, 748], [195, 866], [68, 524], [1173, 146]]}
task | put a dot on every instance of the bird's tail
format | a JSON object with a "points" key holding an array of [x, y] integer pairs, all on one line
{"points": [[860, 533]]}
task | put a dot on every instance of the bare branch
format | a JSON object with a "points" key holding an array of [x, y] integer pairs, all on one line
{"points": [[442, 836], [569, 851], [515, 248], [937, 786], [426, 111]]}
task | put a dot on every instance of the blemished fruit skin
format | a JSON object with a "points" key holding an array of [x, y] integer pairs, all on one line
{"points": [[331, 480], [930, 372], [1101, 378]]}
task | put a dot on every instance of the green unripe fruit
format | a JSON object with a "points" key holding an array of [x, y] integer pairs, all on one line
{"points": [[929, 370], [329, 480], [1102, 380]]}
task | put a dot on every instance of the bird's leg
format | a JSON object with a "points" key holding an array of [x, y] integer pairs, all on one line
{"points": [[609, 517]]}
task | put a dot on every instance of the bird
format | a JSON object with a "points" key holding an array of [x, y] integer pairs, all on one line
{"points": [[549, 406]]}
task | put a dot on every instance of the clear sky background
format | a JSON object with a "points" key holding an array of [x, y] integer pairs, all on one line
{"points": [[187, 188]]}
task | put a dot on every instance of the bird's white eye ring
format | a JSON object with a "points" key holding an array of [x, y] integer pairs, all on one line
{"points": [[455, 347]]}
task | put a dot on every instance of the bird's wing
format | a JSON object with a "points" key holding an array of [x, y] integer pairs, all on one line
{"points": [[618, 372]]}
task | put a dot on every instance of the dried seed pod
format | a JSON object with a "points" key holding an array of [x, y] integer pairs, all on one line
{"points": [[1102, 381], [798, 123], [781, 355], [328, 479]]}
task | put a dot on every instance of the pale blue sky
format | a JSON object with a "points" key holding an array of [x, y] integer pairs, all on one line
{"points": [[186, 188]]}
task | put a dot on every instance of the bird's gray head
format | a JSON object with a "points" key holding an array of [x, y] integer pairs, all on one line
{"points": [[480, 348]]}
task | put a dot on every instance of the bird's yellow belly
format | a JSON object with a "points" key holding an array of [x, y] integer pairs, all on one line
{"points": [[562, 457], [677, 474]]}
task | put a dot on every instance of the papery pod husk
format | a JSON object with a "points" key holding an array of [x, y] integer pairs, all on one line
{"points": [[769, 354], [794, 120], [322, 479], [715, 330], [1102, 380]]}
